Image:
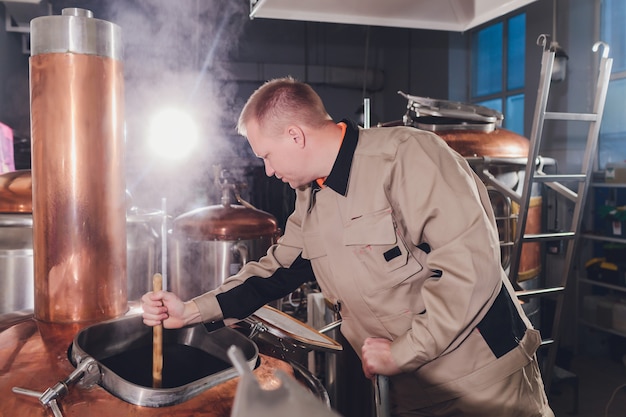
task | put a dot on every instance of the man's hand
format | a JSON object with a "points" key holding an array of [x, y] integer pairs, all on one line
{"points": [[162, 307], [376, 358]]}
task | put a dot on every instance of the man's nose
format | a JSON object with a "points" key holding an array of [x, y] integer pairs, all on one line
{"points": [[269, 171]]}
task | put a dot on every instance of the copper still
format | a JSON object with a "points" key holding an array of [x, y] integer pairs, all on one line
{"points": [[77, 128]]}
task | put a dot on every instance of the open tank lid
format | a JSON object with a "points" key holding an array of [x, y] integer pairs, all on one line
{"points": [[471, 113], [292, 330], [470, 129], [102, 341]]}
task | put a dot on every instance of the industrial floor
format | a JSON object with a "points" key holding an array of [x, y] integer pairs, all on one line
{"points": [[599, 378]]}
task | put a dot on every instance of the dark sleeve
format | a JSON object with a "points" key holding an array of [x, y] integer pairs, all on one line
{"points": [[241, 301]]}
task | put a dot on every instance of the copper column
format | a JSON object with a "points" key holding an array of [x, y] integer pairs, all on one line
{"points": [[79, 222]]}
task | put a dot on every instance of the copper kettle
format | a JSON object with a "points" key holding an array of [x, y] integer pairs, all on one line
{"points": [[16, 192]]}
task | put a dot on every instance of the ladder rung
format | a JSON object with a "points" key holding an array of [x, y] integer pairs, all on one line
{"points": [[549, 236], [505, 218], [559, 177], [538, 291], [556, 183], [585, 117]]}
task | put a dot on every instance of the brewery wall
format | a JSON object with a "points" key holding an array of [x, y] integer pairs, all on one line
{"points": [[214, 58], [14, 104]]}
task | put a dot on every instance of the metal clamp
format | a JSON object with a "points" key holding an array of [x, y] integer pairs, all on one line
{"points": [[255, 327], [50, 396]]}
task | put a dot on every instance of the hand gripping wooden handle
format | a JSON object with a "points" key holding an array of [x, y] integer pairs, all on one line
{"points": [[157, 341]]}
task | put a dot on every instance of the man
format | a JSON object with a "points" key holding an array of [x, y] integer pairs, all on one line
{"points": [[400, 235]]}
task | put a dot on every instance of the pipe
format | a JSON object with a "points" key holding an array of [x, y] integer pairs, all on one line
{"points": [[343, 77]]}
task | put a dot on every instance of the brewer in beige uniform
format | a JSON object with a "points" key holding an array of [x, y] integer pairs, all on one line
{"points": [[400, 235]]}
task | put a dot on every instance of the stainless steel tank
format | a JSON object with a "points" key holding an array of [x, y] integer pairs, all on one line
{"points": [[211, 243], [77, 128], [16, 262], [142, 250]]}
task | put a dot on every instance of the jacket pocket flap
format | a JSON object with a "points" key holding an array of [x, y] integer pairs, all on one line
{"points": [[371, 229]]}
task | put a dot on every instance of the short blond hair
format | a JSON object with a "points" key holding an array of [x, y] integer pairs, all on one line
{"points": [[281, 101]]}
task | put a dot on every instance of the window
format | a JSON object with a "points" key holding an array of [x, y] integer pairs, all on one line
{"points": [[498, 60], [612, 142]]}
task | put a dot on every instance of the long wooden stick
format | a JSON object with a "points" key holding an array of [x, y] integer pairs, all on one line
{"points": [[157, 341]]}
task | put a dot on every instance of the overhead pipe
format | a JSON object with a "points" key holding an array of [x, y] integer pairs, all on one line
{"points": [[347, 77]]}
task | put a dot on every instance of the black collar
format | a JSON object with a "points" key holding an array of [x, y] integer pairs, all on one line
{"points": [[340, 174]]}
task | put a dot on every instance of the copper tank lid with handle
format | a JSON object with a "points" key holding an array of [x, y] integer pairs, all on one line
{"points": [[16, 192], [226, 221], [470, 129]]}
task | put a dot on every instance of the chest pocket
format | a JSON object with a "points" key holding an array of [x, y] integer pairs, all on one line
{"points": [[313, 246], [380, 249]]}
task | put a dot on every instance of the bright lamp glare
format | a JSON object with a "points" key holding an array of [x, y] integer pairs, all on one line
{"points": [[173, 134]]}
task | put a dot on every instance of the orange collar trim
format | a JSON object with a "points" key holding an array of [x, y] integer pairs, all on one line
{"points": [[344, 127]]}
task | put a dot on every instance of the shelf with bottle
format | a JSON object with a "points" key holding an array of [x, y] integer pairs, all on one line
{"points": [[603, 299], [607, 221], [602, 290], [604, 310], [602, 328]]}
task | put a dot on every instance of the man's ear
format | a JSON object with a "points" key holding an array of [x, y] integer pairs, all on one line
{"points": [[297, 135]]}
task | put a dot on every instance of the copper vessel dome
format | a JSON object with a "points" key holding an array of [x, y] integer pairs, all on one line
{"points": [[499, 143], [225, 222], [16, 192]]}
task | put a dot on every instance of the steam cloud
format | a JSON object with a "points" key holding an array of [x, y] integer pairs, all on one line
{"points": [[174, 55]]}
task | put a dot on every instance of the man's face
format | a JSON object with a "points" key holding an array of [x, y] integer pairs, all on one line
{"points": [[283, 154]]}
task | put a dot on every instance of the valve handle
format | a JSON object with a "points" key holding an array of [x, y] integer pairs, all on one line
{"points": [[49, 397]]}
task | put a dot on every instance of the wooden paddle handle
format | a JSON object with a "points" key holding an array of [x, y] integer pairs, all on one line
{"points": [[157, 341]]}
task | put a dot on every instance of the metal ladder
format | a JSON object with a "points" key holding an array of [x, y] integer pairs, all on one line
{"points": [[535, 174]]}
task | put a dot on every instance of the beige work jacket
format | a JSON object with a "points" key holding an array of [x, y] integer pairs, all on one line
{"points": [[406, 187]]}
